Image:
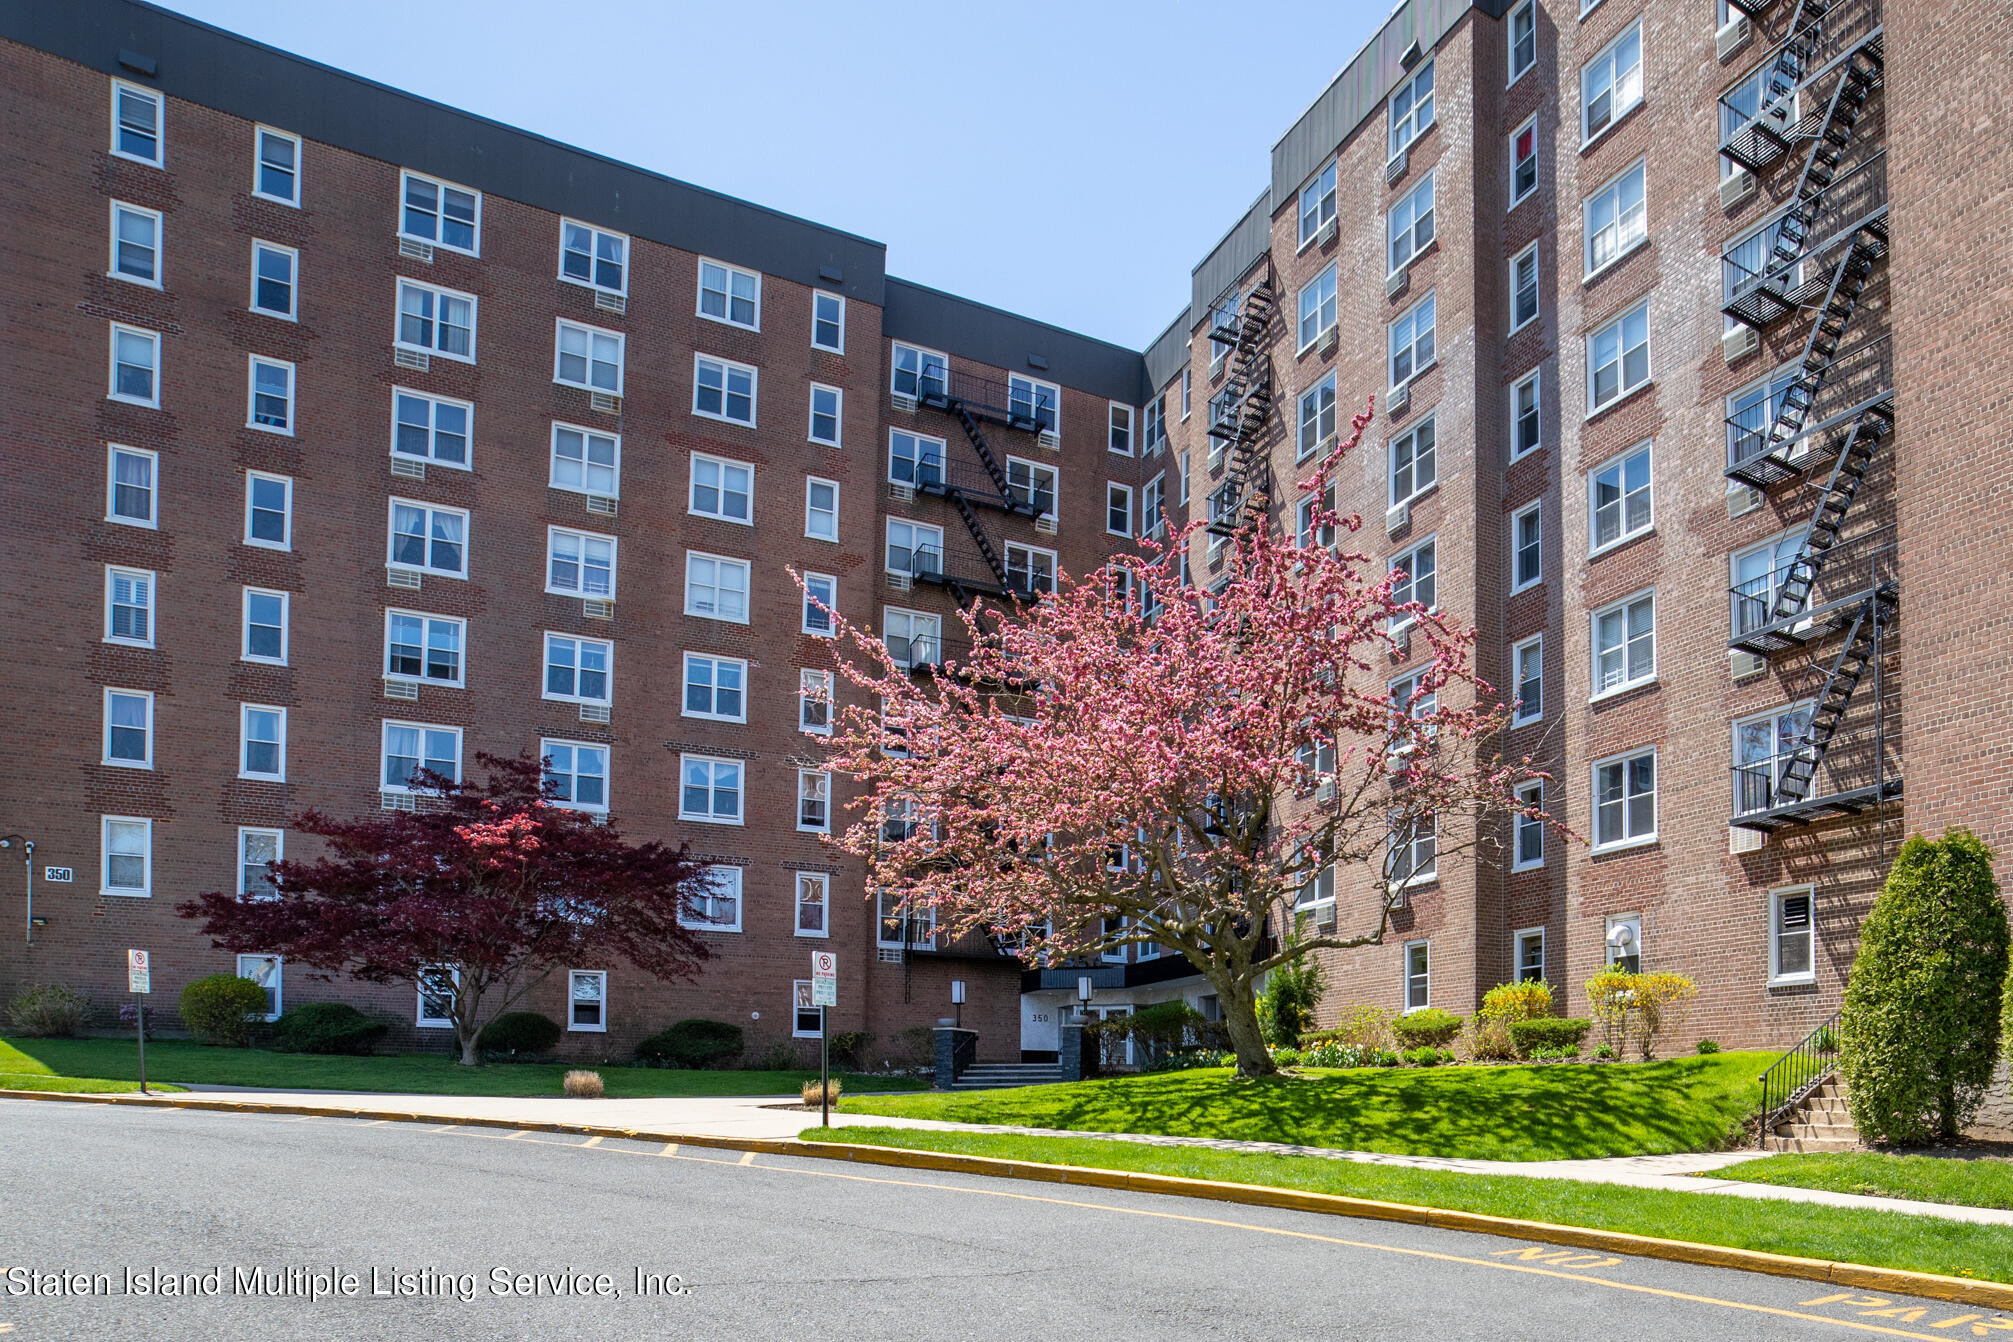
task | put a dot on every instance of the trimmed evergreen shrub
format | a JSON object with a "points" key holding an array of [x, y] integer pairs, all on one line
{"points": [[1429, 1027], [693, 1043], [1921, 1024], [519, 1034], [1708, 1045], [223, 1009], [1286, 1007], [1549, 1033], [327, 1027], [48, 1009]]}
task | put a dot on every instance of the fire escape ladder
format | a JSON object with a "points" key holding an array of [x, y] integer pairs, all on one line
{"points": [[987, 550], [1847, 474], [1862, 75], [984, 449], [1820, 348], [1247, 408], [1832, 701]]}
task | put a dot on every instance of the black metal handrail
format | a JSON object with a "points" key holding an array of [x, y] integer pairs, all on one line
{"points": [[990, 399], [1757, 136], [1789, 273], [1860, 377], [1850, 569], [953, 474], [965, 567], [1797, 1073]]}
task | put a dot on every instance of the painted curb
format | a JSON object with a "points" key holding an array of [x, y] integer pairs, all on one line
{"points": [[1962, 1290]]}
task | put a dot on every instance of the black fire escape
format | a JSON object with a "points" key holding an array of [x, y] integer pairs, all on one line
{"points": [[1833, 403], [1243, 408]]}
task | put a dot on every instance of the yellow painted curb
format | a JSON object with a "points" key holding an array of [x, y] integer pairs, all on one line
{"points": [[1962, 1290]]}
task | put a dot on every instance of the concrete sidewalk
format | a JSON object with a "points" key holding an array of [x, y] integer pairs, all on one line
{"points": [[762, 1117]]}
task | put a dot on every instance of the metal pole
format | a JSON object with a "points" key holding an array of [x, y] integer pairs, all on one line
{"points": [[140, 1015], [30, 846], [825, 1066]]}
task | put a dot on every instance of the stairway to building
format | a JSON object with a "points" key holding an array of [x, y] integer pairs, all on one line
{"points": [[1000, 1075], [1819, 1122]]}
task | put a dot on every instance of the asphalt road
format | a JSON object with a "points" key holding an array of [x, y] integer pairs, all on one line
{"points": [[471, 1233]]}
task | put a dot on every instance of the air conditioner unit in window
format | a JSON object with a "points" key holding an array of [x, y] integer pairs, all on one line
{"points": [[889, 955], [1740, 840], [901, 493], [402, 577], [1325, 446], [1325, 791], [400, 689], [1742, 500], [416, 250], [407, 467], [1051, 440], [1216, 456], [900, 582], [594, 713], [412, 358], [1395, 284], [902, 402], [1747, 665], [1736, 189], [1738, 343], [1395, 167], [1398, 517], [605, 403], [601, 503], [1327, 233], [1399, 401], [1733, 37], [1330, 338], [1400, 898], [1045, 524], [611, 302], [597, 608], [398, 801]]}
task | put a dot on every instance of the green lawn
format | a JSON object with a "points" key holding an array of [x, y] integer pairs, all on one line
{"points": [[1967, 1183], [111, 1062], [1882, 1239], [1560, 1112]]}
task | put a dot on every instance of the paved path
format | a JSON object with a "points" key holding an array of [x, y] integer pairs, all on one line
{"points": [[444, 1221]]}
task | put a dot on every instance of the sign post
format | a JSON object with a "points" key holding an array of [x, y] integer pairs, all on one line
{"points": [[140, 982], [824, 996]]}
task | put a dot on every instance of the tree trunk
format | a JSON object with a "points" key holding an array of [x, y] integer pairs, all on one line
{"points": [[467, 1043], [1240, 1017]]}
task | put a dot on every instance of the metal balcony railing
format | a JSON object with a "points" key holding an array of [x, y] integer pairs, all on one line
{"points": [[1028, 408], [1858, 380], [1763, 286], [963, 570], [943, 478], [1768, 615], [1760, 120]]}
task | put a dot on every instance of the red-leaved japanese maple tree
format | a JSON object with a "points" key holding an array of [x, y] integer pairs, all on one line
{"points": [[1130, 759], [477, 894]]}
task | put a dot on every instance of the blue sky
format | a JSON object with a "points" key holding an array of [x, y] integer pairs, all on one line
{"points": [[1069, 161]]}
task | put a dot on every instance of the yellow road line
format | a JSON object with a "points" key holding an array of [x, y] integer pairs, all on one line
{"points": [[591, 1141], [747, 1158]]}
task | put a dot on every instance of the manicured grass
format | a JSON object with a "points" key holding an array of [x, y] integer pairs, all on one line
{"points": [[1882, 1239], [74, 1085], [1966, 1183], [409, 1074], [1557, 1112]]}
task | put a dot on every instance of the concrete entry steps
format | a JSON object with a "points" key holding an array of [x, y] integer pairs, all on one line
{"points": [[1821, 1121], [1000, 1075]]}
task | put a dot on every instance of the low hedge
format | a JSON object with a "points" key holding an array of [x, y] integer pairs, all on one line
{"points": [[693, 1043], [1549, 1032], [519, 1034], [327, 1027], [223, 1009], [1427, 1028]]}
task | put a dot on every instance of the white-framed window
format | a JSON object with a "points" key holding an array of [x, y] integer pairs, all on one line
{"points": [[1527, 666], [1530, 846], [821, 509], [900, 928], [1186, 388], [821, 601], [1791, 935], [257, 849], [1411, 342], [136, 244], [275, 280], [129, 606], [716, 687], [1418, 976], [1153, 506], [136, 124], [826, 417], [1530, 955], [276, 166], [269, 396], [269, 511], [1317, 203], [914, 548], [1611, 83], [1120, 423], [1625, 800], [430, 538], [730, 294], [440, 213], [1030, 568], [1305, 532], [262, 734], [1409, 225], [577, 771], [1524, 416], [135, 366], [1523, 161], [814, 702], [716, 587], [914, 460], [1741, 105], [1317, 308], [1033, 483], [918, 372], [1625, 644], [579, 563], [1618, 358], [1153, 425], [436, 321], [127, 866], [420, 647], [1524, 288], [1411, 109], [1624, 942], [828, 321], [266, 623], [1616, 219], [587, 357], [1117, 509], [1415, 851], [1758, 574], [722, 389], [911, 637], [1317, 417], [594, 257], [1751, 413], [407, 747], [710, 789], [578, 670], [807, 1019], [1032, 399], [1414, 461], [437, 986], [1420, 566], [587, 1001], [1764, 746], [431, 428], [814, 801], [1622, 501], [814, 904], [1527, 538], [1522, 30], [1181, 472], [586, 461], [722, 489], [1317, 896], [131, 493], [129, 729]]}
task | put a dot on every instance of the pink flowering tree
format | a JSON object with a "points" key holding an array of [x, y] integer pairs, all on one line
{"points": [[1132, 760], [478, 894]]}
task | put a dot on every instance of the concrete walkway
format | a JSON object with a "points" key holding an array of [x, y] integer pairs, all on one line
{"points": [[763, 1116]]}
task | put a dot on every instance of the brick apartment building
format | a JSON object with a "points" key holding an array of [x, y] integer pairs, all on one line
{"points": [[415, 436]]}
